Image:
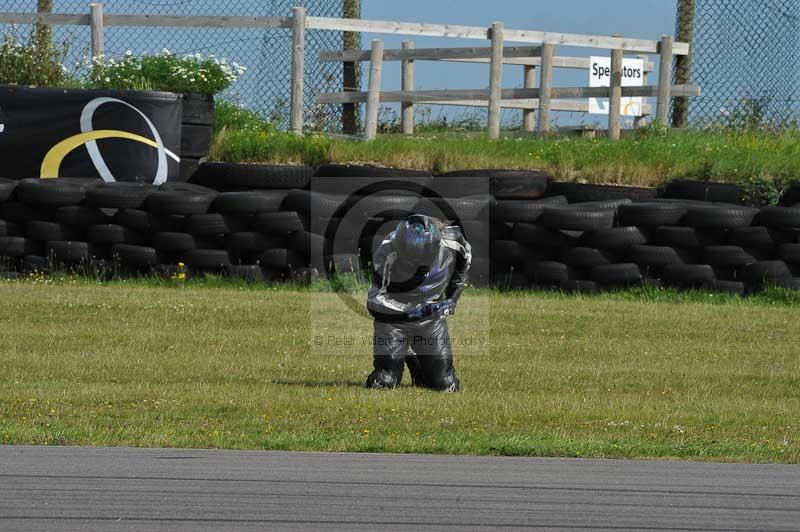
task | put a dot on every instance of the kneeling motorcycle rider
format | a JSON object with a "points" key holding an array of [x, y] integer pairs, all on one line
{"points": [[419, 272]]}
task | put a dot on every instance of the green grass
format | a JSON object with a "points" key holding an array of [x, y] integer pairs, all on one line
{"points": [[211, 363], [760, 161]]}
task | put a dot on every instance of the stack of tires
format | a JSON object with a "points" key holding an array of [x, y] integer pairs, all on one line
{"points": [[261, 222]]}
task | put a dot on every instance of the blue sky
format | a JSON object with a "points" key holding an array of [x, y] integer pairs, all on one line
{"points": [[649, 19]]}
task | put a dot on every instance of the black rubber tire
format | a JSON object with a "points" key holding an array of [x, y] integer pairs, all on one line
{"points": [[165, 202], [719, 217], [137, 256], [230, 176], [760, 273], [506, 252], [189, 188], [278, 223], [612, 204], [250, 273], [384, 205], [577, 219], [73, 251], [19, 246], [690, 275], [7, 187], [11, 229], [727, 256], [655, 256], [760, 237], [528, 211], [81, 216], [214, 224], [538, 235], [616, 238], [688, 237], [44, 231], [448, 186], [652, 214], [109, 234], [580, 287], [465, 208], [283, 260], [791, 196], [250, 242], [207, 259], [780, 217], [307, 243], [789, 253], [584, 258], [119, 195], [347, 170], [198, 109], [729, 287], [704, 191], [581, 193], [790, 284], [503, 184], [189, 166], [59, 192], [249, 202], [343, 263], [195, 140], [22, 213], [476, 232], [32, 264], [145, 222], [617, 275], [548, 274], [173, 242]]}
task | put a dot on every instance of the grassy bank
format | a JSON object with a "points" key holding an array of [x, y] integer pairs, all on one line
{"points": [[647, 158], [617, 375]]}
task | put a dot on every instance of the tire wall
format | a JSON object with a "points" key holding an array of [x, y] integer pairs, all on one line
{"points": [[255, 222]]}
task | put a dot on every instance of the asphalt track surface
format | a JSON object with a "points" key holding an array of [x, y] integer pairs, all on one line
{"points": [[101, 489]]}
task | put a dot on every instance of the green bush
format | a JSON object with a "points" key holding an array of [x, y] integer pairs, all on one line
{"points": [[165, 72], [24, 62]]}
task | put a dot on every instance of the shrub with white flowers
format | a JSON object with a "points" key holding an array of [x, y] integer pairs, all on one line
{"points": [[165, 72]]}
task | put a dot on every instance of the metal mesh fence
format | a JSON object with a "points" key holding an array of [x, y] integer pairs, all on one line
{"points": [[267, 53], [746, 57]]}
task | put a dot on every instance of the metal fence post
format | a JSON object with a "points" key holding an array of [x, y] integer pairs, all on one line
{"points": [[298, 67], [408, 85], [664, 80], [496, 80], [546, 87], [374, 96], [615, 96], [98, 34]]}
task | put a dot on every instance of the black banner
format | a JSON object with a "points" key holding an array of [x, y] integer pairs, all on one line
{"points": [[115, 135]]}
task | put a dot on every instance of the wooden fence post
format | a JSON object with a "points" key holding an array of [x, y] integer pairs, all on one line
{"points": [[496, 80], [408, 85], [529, 82], [374, 96], [641, 121], [546, 87], [298, 67], [98, 36], [615, 96], [664, 80]]}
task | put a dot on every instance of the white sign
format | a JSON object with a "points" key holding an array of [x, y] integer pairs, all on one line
{"points": [[600, 76]]}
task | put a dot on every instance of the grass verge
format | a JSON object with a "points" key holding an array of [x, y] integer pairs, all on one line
{"points": [[647, 158], [652, 374]]}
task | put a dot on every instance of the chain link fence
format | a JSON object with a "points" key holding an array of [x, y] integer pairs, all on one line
{"points": [[267, 53], [746, 58]]}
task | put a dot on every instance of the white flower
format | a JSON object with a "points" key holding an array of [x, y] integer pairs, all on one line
{"points": [[128, 53]]}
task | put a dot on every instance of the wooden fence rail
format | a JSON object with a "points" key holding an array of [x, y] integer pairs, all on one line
{"points": [[542, 56]]}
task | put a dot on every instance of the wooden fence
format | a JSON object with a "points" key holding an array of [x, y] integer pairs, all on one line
{"points": [[544, 98]]}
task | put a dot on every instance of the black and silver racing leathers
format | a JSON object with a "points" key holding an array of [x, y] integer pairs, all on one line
{"points": [[407, 329]]}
